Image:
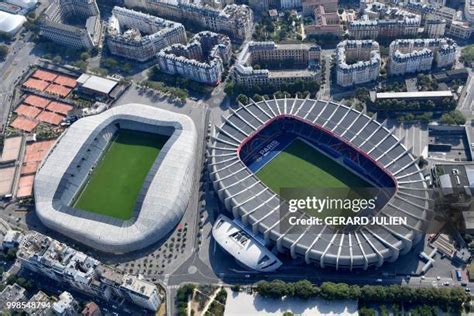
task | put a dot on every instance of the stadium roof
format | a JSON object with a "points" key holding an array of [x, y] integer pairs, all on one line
{"points": [[11, 23], [251, 201], [95, 83], [162, 199]]}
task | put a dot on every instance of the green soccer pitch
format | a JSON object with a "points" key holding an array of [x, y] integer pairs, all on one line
{"points": [[301, 166], [114, 185]]}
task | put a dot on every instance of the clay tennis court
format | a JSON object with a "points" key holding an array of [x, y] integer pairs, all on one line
{"points": [[36, 84], [25, 124], [25, 186], [34, 154], [44, 75], [11, 148], [50, 117], [37, 101], [59, 107], [28, 111], [66, 81], [7, 176], [58, 90]]}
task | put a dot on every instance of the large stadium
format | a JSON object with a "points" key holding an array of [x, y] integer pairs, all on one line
{"points": [[265, 146], [119, 181]]}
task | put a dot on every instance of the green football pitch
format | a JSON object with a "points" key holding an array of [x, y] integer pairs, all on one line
{"points": [[302, 166], [114, 185]]}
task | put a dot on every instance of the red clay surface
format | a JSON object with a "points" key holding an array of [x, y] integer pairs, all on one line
{"points": [[50, 117], [34, 154], [58, 90], [36, 84], [37, 101], [24, 123], [66, 81], [44, 75], [27, 110], [25, 186], [29, 168], [59, 107]]}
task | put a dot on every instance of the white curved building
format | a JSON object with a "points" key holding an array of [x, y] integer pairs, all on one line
{"points": [[162, 200], [11, 23], [243, 247]]}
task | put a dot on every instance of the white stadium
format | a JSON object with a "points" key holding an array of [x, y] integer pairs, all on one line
{"points": [[11, 23], [163, 197]]}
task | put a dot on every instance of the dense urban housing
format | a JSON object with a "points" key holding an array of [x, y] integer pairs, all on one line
{"points": [[203, 59], [72, 23], [141, 36], [415, 55], [233, 20], [358, 61], [262, 63]]}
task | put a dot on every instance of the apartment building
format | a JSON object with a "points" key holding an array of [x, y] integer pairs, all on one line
{"points": [[139, 36], [357, 62], [416, 55], [202, 60], [56, 260], [233, 20], [72, 23], [267, 63]]}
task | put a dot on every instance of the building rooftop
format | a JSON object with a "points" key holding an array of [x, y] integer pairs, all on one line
{"points": [[96, 83], [12, 293], [419, 94], [135, 285]]}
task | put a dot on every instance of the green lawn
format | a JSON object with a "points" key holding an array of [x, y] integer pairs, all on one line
{"points": [[314, 174], [302, 166], [114, 185]]}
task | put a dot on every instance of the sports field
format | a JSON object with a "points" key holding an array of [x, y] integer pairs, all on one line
{"points": [[301, 166], [114, 185]]}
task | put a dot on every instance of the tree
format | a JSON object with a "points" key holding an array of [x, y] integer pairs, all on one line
{"points": [[242, 98], [85, 56], [274, 289], [453, 118], [110, 62], [257, 97], [467, 55], [57, 59], [3, 51], [235, 288], [11, 253], [365, 311], [229, 88], [305, 289]]}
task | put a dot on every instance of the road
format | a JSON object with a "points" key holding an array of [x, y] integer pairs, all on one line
{"points": [[21, 56], [325, 90], [466, 100]]}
